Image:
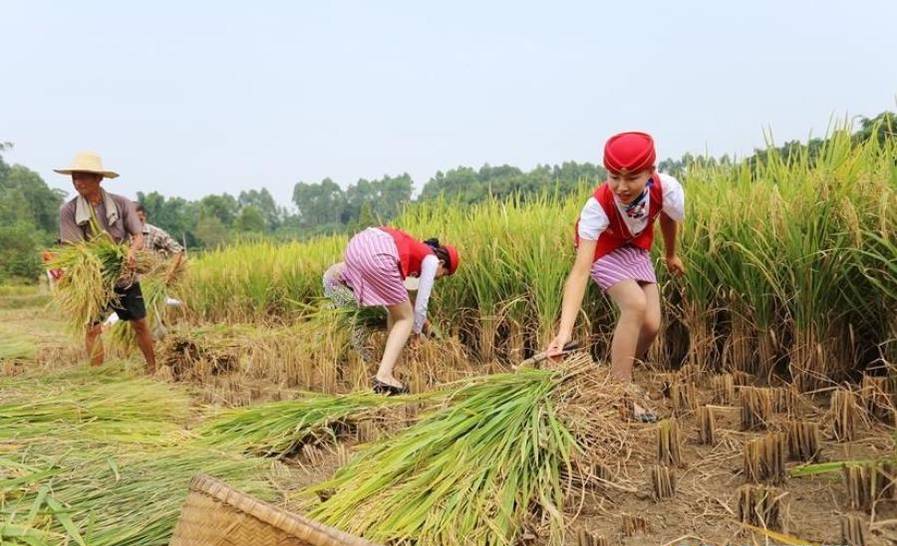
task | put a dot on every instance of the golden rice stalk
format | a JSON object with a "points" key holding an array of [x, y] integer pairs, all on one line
{"points": [[585, 538], [756, 407], [764, 459], [869, 483], [689, 372], [887, 480], [669, 442], [684, 397], [634, 525], [586, 473], [763, 507], [853, 530], [877, 394], [367, 431], [741, 378], [663, 482], [723, 386], [804, 438], [859, 481], [706, 426], [844, 410], [786, 400]]}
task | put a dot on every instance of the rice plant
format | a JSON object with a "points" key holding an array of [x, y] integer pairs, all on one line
{"points": [[278, 428], [785, 256]]}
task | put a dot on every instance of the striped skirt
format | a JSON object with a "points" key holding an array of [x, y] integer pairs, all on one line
{"points": [[624, 263], [372, 269]]}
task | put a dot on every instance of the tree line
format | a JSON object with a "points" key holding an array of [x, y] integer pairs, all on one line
{"points": [[29, 209], [326, 207]]}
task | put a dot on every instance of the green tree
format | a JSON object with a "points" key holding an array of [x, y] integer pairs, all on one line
{"points": [[175, 215], [884, 124], [319, 204], [224, 207], [251, 220], [265, 204], [29, 219], [461, 183], [211, 231], [24, 196], [19, 252]]}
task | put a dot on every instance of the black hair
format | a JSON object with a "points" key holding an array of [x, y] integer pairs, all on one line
{"points": [[140, 208], [439, 250]]}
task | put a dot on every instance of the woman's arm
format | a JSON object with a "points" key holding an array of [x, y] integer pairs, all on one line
{"points": [[574, 291], [428, 268]]}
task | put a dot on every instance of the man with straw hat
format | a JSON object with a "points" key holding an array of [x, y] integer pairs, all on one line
{"points": [[117, 216]]}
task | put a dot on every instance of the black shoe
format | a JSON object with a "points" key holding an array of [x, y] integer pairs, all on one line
{"points": [[384, 388]]}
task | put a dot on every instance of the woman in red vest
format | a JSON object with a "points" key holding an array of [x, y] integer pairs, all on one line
{"points": [[614, 236], [377, 262]]}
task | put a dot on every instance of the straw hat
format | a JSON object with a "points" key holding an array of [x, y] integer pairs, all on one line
{"points": [[87, 162]]}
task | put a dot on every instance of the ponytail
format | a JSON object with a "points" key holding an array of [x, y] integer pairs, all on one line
{"points": [[439, 250]]}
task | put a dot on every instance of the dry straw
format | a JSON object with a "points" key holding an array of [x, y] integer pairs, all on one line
{"points": [[663, 482], [723, 386], [877, 394], [853, 530], [634, 525], [756, 407], [804, 440], [706, 426], [669, 442], [764, 459], [585, 538], [869, 483], [763, 507], [844, 411], [684, 396]]}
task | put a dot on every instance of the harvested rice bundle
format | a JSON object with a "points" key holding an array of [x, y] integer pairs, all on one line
{"points": [[93, 457], [156, 286], [480, 468], [121, 497], [280, 428], [100, 412], [91, 270]]}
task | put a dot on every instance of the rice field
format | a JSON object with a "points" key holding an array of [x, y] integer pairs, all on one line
{"points": [[772, 376], [791, 269]]}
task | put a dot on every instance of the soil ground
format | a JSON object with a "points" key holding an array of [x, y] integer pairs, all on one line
{"points": [[704, 509]]}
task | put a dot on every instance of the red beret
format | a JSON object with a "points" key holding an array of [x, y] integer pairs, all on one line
{"points": [[631, 152], [454, 259]]}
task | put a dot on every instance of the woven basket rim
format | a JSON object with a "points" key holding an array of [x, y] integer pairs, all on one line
{"points": [[268, 513]]}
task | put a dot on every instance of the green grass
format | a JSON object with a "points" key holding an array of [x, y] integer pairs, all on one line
{"points": [[18, 290], [15, 346]]}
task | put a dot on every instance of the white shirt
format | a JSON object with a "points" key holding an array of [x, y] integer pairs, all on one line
{"points": [[428, 267], [593, 220]]}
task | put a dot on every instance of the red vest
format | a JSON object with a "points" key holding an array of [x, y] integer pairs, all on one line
{"points": [[411, 251], [617, 234]]}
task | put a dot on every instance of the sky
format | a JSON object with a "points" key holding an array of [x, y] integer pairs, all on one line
{"points": [[192, 98]]}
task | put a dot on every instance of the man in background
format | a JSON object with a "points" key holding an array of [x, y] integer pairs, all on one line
{"points": [[116, 216], [157, 239]]}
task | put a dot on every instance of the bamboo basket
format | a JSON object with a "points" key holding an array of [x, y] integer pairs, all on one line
{"points": [[214, 514]]}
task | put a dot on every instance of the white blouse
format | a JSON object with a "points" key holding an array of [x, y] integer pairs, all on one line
{"points": [[428, 267], [593, 221]]}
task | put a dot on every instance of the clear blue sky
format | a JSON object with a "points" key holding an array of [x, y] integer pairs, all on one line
{"points": [[191, 98]]}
